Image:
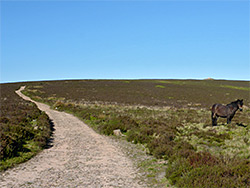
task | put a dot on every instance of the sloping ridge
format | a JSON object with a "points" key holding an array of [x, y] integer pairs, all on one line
{"points": [[79, 158]]}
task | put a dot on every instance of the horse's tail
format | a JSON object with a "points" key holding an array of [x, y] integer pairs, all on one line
{"points": [[214, 119], [213, 108], [213, 115]]}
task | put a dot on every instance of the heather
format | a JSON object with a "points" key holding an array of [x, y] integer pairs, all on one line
{"points": [[24, 129]]}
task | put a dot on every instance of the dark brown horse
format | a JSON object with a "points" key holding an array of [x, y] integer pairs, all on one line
{"points": [[225, 111]]}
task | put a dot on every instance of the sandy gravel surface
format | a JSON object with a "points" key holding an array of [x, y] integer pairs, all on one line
{"points": [[79, 158]]}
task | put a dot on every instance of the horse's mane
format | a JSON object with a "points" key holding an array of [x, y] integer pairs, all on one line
{"points": [[234, 103]]}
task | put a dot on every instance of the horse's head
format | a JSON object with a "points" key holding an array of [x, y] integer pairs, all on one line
{"points": [[240, 104]]}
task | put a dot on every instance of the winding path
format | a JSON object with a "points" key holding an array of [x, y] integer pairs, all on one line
{"points": [[79, 158]]}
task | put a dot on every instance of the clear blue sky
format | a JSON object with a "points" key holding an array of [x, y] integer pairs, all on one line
{"points": [[50, 40]]}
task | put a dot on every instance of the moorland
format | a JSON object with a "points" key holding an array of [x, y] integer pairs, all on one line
{"points": [[24, 129], [169, 118]]}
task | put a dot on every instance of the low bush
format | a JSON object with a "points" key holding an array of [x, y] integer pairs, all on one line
{"points": [[217, 174]]}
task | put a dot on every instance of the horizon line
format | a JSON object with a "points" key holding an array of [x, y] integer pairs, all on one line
{"points": [[75, 79]]}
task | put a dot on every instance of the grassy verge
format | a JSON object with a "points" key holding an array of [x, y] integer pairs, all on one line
{"points": [[31, 147], [149, 169]]}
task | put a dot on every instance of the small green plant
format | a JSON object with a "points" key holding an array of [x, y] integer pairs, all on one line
{"points": [[160, 86]]}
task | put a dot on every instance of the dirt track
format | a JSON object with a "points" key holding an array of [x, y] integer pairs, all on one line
{"points": [[79, 158]]}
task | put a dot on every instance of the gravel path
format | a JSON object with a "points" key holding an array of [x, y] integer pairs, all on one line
{"points": [[79, 158]]}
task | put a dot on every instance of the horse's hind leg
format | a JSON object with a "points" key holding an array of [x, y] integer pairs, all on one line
{"points": [[214, 121], [229, 119]]}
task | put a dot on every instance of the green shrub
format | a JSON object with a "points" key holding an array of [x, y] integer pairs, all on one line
{"points": [[219, 175], [177, 170], [162, 146]]}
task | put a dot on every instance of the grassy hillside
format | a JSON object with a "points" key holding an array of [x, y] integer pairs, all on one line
{"points": [[24, 129], [169, 118], [173, 93]]}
